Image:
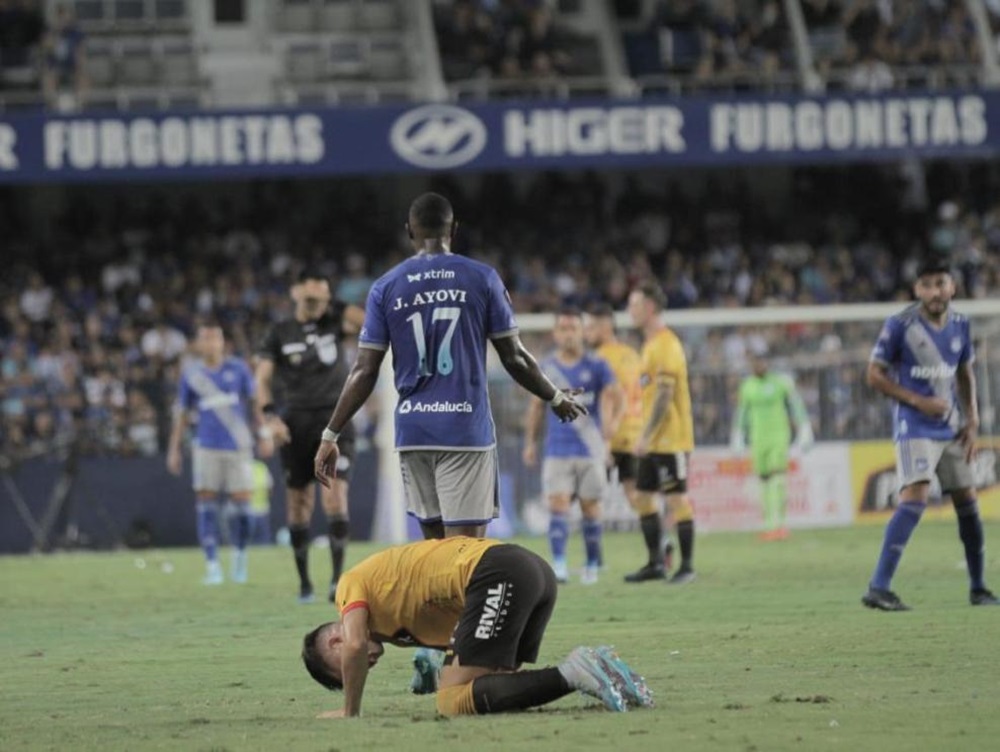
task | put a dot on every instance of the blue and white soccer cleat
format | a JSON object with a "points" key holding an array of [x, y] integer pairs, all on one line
{"points": [[585, 672], [632, 686], [213, 574], [426, 671], [240, 567]]}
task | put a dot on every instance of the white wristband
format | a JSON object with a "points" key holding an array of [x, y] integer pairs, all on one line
{"points": [[330, 436], [558, 398]]}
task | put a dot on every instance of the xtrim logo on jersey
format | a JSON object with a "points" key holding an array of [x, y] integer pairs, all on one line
{"points": [[940, 371], [438, 136], [408, 406], [432, 274], [494, 611]]}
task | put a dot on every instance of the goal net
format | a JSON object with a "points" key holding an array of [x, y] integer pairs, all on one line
{"points": [[846, 477]]}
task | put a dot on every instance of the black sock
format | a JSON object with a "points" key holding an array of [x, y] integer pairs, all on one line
{"points": [[339, 532], [432, 530], [685, 540], [970, 530], [499, 693], [652, 532], [300, 547]]}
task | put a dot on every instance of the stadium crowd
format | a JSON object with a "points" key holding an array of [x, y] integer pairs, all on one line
{"points": [[95, 320]]}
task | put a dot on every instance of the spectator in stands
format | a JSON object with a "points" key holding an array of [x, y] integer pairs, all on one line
{"points": [[36, 300], [21, 30], [467, 40], [870, 74], [163, 343], [64, 61], [537, 46], [355, 282]]}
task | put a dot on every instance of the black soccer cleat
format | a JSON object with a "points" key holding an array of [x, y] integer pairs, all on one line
{"points": [[682, 576], [332, 593], [983, 597], [883, 600], [306, 594], [646, 573]]}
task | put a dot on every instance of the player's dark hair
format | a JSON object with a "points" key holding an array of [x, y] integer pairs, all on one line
{"points": [[432, 212], [314, 660], [934, 263], [311, 273], [571, 311], [601, 311], [652, 290], [210, 322]]}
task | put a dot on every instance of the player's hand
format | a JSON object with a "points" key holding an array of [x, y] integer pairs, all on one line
{"points": [[529, 455], [325, 462], [967, 438], [642, 447], [279, 429], [265, 448], [570, 408], [933, 407], [339, 713], [174, 462]]}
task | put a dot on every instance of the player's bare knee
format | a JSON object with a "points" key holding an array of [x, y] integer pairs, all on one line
{"points": [[590, 509], [645, 504], [680, 507], [559, 503]]}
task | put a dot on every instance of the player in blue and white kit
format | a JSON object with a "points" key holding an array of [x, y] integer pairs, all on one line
{"points": [[923, 360], [220, 390], [437, 311], [576, 454]]}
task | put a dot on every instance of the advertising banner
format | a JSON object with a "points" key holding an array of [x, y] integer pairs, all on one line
{"points": [[591, 134]]}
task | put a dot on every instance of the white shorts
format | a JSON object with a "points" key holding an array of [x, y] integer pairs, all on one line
{"points": [[580, 477], [222, 470], [919, 460], [453, 487]]}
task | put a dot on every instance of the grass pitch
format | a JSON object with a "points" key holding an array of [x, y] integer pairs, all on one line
{"points": [[768, 650]]}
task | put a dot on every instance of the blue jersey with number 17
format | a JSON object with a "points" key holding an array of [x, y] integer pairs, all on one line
{"points": [[436, 312]]}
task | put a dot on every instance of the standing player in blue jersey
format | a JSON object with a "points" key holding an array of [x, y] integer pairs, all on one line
{"points": [[923, 361], [437, 311], [576, 454], [221, 391]]}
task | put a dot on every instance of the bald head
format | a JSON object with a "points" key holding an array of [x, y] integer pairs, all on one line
{"points": [[431, 217]]}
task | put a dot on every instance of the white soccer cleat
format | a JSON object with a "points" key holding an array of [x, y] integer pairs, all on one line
{"points": [[213, 574], [589, 575], [561, 570], [585, 672]]}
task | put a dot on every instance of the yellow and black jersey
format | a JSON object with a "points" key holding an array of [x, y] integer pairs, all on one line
{"points": [[414, 593], [664, 363], [626, 365]]}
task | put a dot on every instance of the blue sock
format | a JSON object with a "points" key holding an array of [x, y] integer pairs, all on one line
{"points": [[242, 526], [970, 530], [897, 533], [208, 528], [558, 533], [592, 541]]}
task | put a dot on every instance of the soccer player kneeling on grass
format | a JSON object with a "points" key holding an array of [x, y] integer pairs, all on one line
{"points": [[487, 603]]}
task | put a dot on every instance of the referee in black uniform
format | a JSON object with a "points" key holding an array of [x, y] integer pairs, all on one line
{"points": [[306, 354]]}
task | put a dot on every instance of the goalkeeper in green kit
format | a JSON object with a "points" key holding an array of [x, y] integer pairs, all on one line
{"points": [[768, 406]]}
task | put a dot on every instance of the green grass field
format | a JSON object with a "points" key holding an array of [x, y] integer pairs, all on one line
{"points": [[769, 650]]}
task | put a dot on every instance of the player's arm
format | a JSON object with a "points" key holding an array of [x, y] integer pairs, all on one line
{"points": [[263, 405], [800, 416], [523, 368], [532, 431], [660, 413], [358, 388], [177, 429], [353, 318], [354, 658], [612, 409], [965, 380], [877, 377]]}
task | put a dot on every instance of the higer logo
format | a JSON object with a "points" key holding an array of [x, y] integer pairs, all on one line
{"points": [[494, 611], [438, 136], [408, 406]]}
